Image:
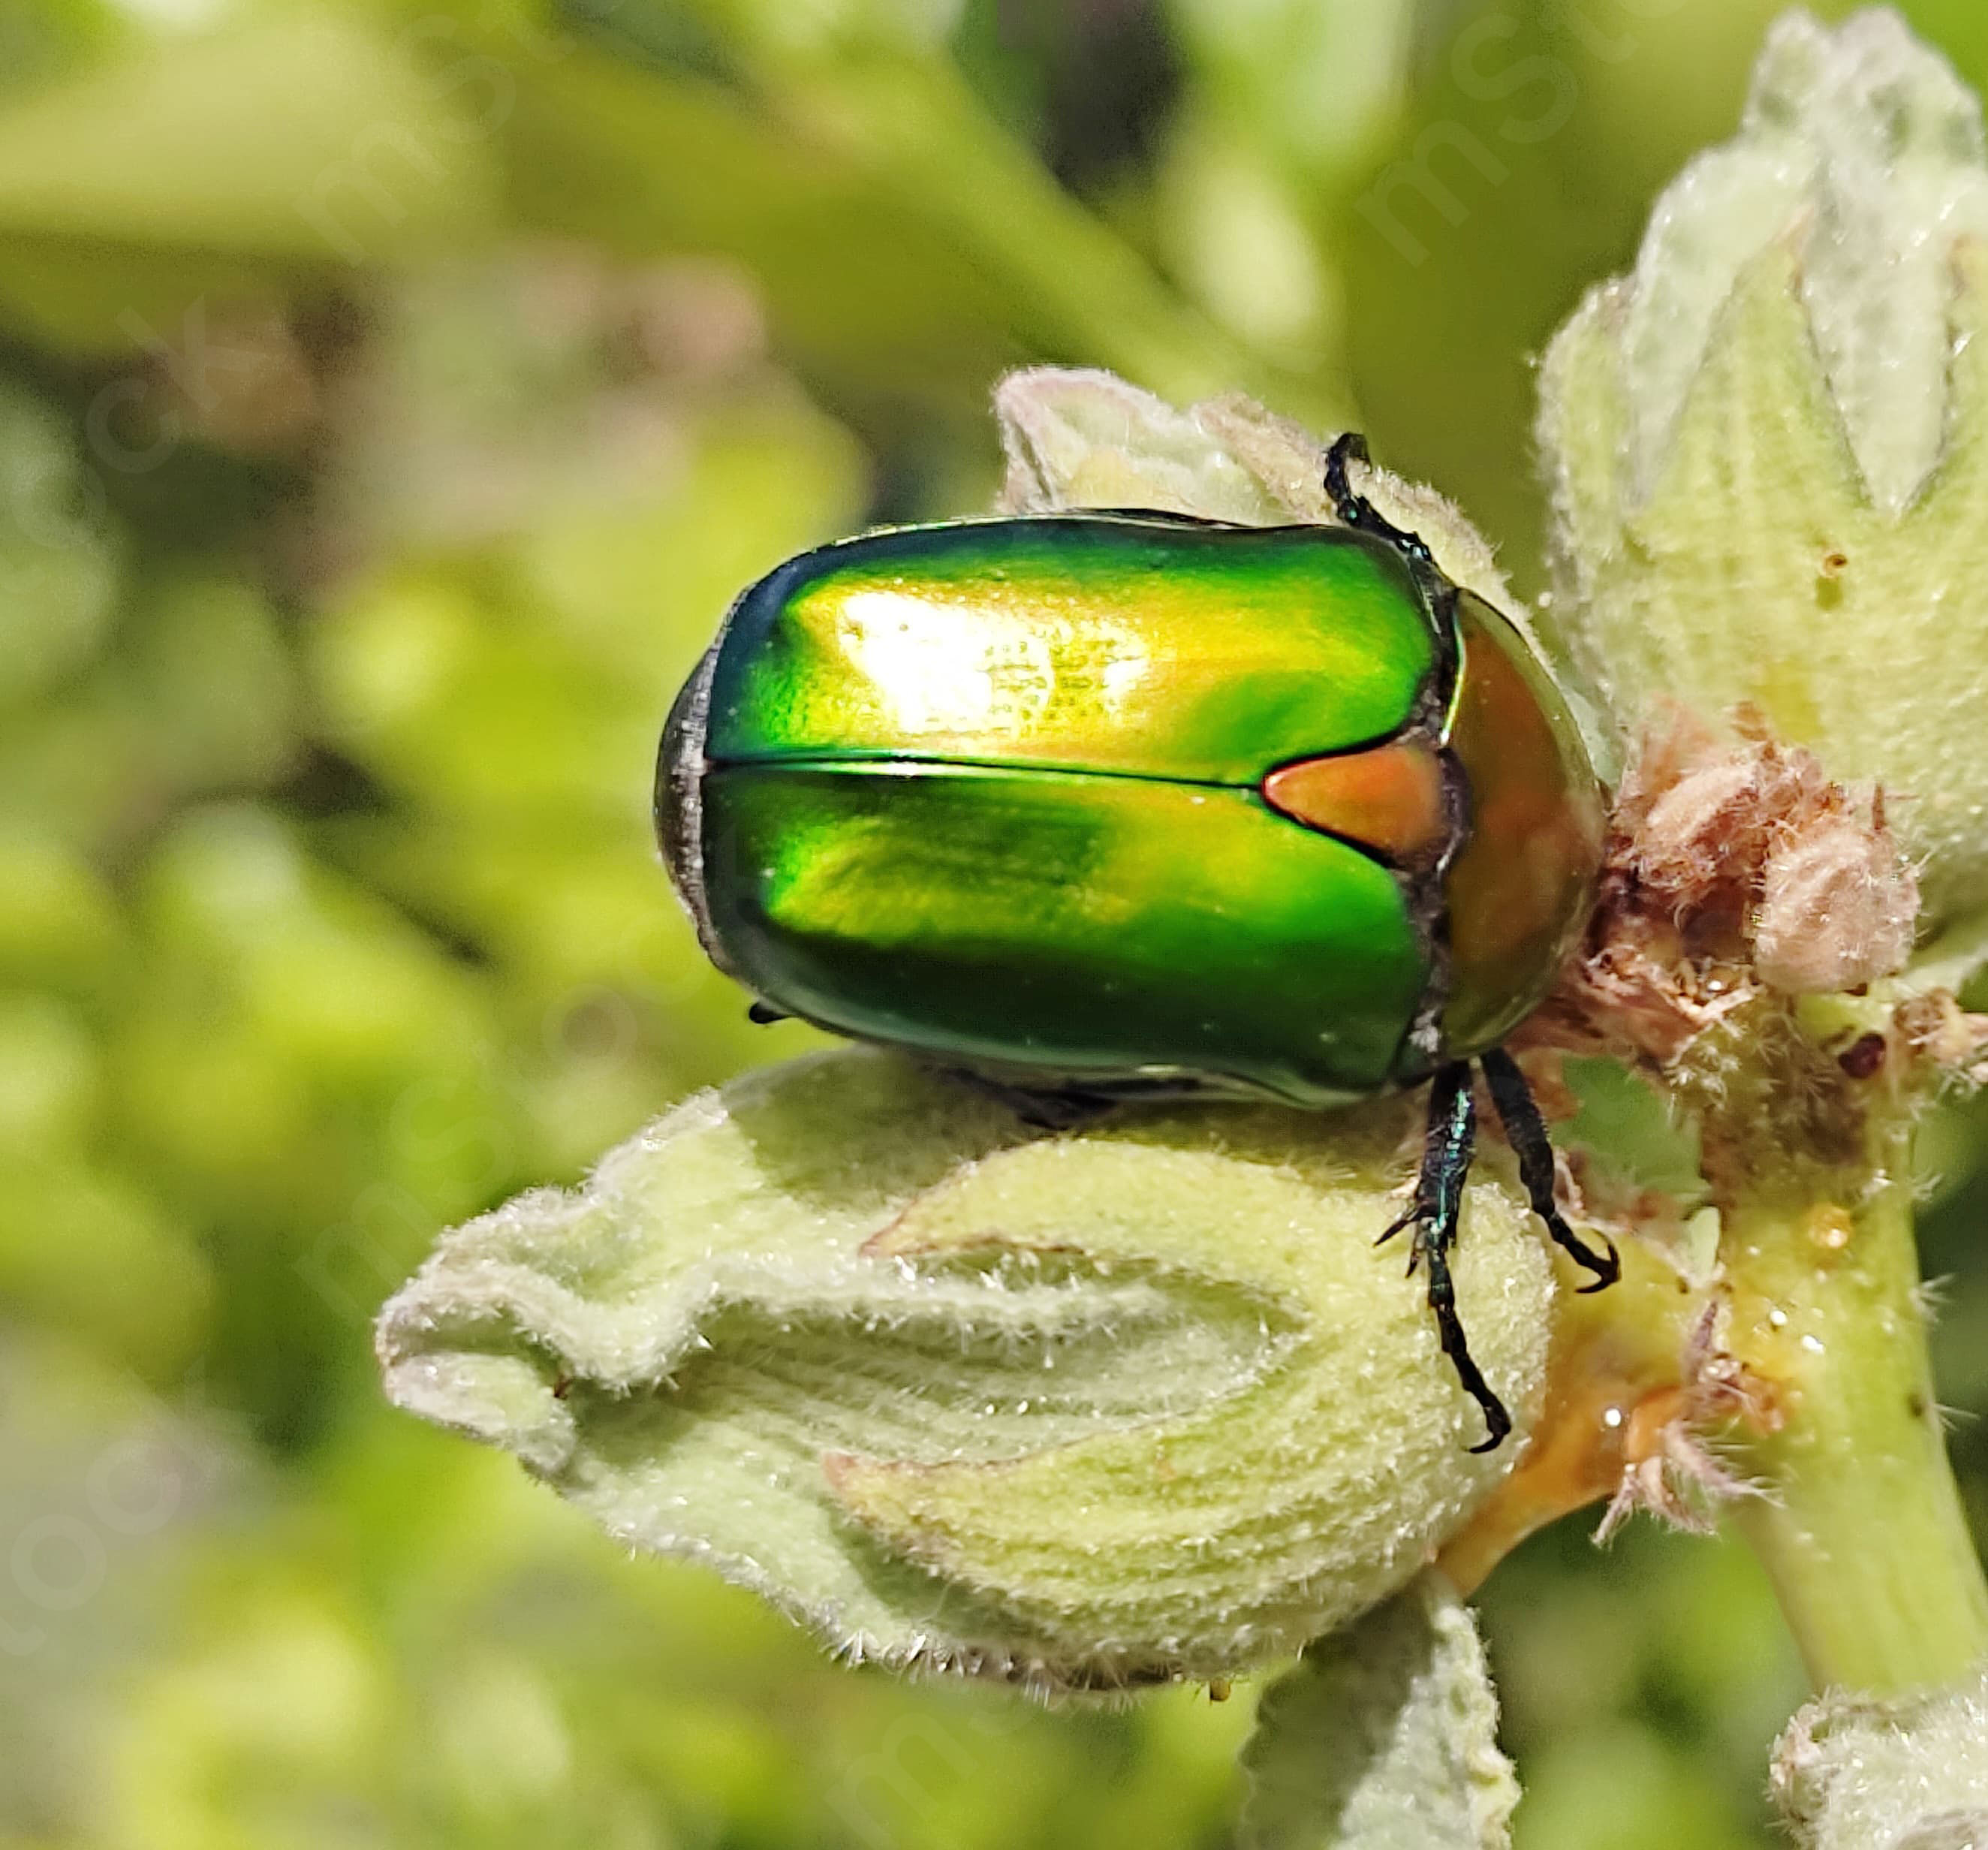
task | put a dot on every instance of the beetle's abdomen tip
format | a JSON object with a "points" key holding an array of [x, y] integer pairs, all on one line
{"points": [[679, 798]]}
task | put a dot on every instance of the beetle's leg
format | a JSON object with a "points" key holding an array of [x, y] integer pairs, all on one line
{"points": [[1041, 1109], [1355, 509], [1432, 1213], [1527, 1132]]}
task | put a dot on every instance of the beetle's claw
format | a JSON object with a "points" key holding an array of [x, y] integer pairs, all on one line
{"points": [[1606, 1271], [1498, 1425], [1415, 1214]]}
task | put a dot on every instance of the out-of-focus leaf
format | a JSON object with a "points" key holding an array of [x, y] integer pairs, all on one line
{"points": [[646, 161], [323, 974], [421, 685], [50, 1075], [98, 301], [201, 698], [612, 429], [59, 929], [1315, 79], [907, 246], [210, 674], [1240, 240], [310, 139], [87, 1253], [43, 42], [822, 28], [83, 1248], [324, 1078], [104, 1487], [59, 556]]}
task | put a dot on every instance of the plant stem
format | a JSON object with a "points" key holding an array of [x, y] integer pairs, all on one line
{"points": [[1862, 1531]]}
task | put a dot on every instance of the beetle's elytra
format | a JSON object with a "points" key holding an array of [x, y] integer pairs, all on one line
{"points": [[1096, 806]]}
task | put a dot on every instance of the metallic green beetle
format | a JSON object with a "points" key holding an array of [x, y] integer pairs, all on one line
{"points": [[1100, 806]]}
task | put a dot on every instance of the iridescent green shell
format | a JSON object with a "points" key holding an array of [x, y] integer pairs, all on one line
{"points": [[1121, 803]]}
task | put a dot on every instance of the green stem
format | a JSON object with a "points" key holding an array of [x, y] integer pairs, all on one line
{"points": [[1862, 1532]]}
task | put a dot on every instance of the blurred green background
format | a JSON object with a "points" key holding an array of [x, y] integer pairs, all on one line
{"points": [[391, 397]]}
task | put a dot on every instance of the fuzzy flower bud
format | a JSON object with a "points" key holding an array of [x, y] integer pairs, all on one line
{"points": [[1852, 1774], [1138, 1403], [1384, 1738], [1766, 449], [1077, 438], [1835, 909]]}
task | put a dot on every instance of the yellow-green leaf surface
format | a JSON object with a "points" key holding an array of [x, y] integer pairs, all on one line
{"points": [[1134, 1402], [137, 199], [254, 138], [59, 565]]}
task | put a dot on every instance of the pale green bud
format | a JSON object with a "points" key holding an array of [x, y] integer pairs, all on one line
{"points": [[1768, 445], [1384, 1738], [1076, 438], [1853, 1773], [1141, 1401]]}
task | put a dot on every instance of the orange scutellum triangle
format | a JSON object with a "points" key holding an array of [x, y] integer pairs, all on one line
{"points": [[1389, 798]]}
